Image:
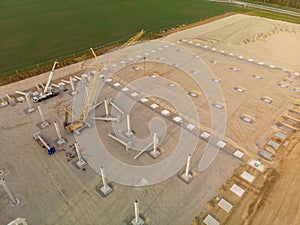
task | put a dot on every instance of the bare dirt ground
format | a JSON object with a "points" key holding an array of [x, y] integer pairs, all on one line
{"points": [[282, 204], [255, 39], [271, 199], [53, 191]]}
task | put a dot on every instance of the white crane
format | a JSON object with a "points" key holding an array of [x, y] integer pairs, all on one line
{"points": [[47, 92]]}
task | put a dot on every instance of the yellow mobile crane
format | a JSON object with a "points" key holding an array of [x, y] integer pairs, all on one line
{"points": [[79, 122]]}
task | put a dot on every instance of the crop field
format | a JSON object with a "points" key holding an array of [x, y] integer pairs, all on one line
{"points": [[34, 32]]}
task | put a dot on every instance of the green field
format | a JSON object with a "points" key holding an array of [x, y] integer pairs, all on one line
{"points": [[36, 31]]}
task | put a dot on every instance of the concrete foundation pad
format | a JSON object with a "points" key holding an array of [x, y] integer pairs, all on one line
{"points": [[106, 190], [3, 104], [102, 192], [129, 134], [17, 202], [81, 164], [154, 154], [43, 125], [12, 102], [73, 93], [61, 142], [139, 222], [29, 110], [187, 179]]}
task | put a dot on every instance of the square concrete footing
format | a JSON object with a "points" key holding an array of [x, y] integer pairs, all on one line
{"points": [[3, 104], [44, 125], [73, 93], [139, 222], [61, 142], [129, 134], [12, 102], [81, 164], [154, 154], [106, 190], [17, 202], [187, 179], [29, 110]]}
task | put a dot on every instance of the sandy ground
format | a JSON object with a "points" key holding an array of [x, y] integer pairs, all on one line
{"points": [[274, 43], [269, 41], [53, 191], [282, 204]]}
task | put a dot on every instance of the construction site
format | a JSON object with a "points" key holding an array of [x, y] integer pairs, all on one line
{"points": [[198, 127]]}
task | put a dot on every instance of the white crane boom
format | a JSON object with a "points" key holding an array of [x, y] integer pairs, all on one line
{"points": [[50, 78], [90, 97]]}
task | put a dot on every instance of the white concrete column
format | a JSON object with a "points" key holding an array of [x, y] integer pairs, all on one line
{"points": [[41, 114], [57, 131], [142, 151], [154, 142], [118, 140], [116, 107], [78, 78], [42, 140], [155, 153], [21, 92], [136, 211], [28, 102], [187, 169], [37, 87], [106, 107], [103, 178], [74, 92], [30, 108], [10, 195], [127, 145], [105, 189], [128, 123], [78, 152], [72, 84], [8, 97]]}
